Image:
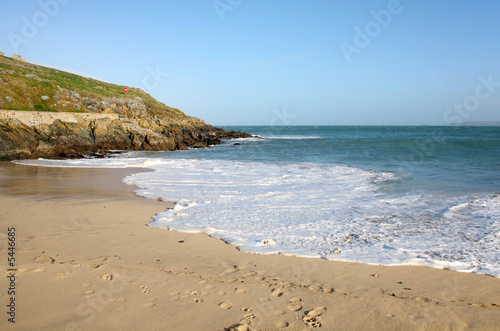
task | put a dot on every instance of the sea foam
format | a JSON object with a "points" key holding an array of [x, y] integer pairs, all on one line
{"points": [[316, 210]]}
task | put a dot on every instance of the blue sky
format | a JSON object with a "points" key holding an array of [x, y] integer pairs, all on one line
{"points": [[280, 62]]}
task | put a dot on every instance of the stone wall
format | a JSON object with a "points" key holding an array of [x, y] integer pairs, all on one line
{"points": [[33, 118]]}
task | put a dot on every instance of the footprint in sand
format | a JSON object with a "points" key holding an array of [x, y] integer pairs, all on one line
{"points": [[250, 316], [250, 274], [63, 275], [316, 311], [221, 293], [86, 285], [201, 282], [312, 322], [245, 309], [225, 305], [240, 291], [89, 294], [195, 293], [279, 312], [232, 269], [209, 287], [44, 259], [294, 306], [238, 327], [197, 300], [315, 288], [276, 293], [313, 319], [106, 277], [145, 289], [420, 299], [150, 303], [282, 324]]}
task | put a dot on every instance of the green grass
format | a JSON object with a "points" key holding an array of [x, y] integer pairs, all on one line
{"points": [[26, 93]]}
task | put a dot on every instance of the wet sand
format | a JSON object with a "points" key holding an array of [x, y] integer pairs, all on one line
{"points": [[86, 260]]}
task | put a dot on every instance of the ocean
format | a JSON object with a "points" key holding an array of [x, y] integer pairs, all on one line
{"points": [[409, 195]]}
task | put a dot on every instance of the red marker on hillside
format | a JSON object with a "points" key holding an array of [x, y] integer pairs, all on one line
{"points": [[125, 90]]}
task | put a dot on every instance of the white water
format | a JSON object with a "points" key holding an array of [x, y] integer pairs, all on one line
{"points": [[314, 210]]}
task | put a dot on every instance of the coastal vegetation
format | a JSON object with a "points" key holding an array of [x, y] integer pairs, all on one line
{"points": [[25, 86], [136, 120]]}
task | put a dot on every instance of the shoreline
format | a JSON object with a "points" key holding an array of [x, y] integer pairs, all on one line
{"points": [[86, 260], [171, 204]]}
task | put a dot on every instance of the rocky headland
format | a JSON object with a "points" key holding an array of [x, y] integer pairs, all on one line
{"points": [[54, 114]]}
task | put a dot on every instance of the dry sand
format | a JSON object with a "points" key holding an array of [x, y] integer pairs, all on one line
{"points": [[86, 260]]}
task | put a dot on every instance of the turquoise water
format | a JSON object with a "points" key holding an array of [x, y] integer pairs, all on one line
{"points": [[381, 195], [459, 159]]}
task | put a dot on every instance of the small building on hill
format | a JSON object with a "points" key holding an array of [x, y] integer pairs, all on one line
{"points": [[18, 57]]}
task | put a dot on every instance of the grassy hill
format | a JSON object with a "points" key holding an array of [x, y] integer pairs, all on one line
{"points": [[25, 86], [143, 124]]}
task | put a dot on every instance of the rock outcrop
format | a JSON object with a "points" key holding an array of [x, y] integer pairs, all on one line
{"points": [[17, 140], [52, 113], [18, 57], [72, 140]]}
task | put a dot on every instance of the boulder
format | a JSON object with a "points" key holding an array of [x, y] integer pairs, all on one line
{"points": [[69, 139], [17, 140], [110, 134]]}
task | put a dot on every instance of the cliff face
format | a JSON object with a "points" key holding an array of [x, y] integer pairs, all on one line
{"points": [[71, 140], [65, 115]]}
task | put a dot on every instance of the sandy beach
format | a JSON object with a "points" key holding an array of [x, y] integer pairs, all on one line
{"points": [[85, 260]]}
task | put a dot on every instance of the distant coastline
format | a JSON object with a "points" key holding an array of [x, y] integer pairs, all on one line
{"points": [[486, 123]]}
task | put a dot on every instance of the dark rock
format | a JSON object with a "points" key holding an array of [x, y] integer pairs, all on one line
{"points": [[17, 140], [88, 137], [109, 134], [68, 140]]}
